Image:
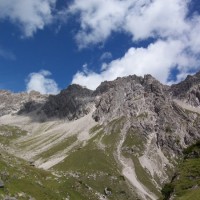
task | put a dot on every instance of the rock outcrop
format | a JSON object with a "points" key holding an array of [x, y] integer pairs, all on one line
{"points": [[72, 103], [149, 107], [12, 103], [188, 90]]}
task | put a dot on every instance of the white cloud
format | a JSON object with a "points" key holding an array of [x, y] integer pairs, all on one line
{"points": [[157, 59], [98, 19], [106, 56], [31, 15], [40, 82], [85, 68], [176, 44], [142, 19], [158, 18], [193, 35]]}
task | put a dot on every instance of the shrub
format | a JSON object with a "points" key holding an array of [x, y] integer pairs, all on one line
{"points": [[167, 190]]}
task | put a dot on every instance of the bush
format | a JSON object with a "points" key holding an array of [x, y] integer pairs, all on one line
{"points": [[193, 149], [167, 190]]}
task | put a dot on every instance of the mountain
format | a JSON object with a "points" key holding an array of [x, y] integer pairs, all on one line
{"points": [[122, 141], [13, 102]]}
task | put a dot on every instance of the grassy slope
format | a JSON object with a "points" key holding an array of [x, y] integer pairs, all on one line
{"points": [[57, 148], [103, 161], [10, 133], [19, 177], [134, 146], [96, 167], [24, 181], [186, 185], [86, 170]]}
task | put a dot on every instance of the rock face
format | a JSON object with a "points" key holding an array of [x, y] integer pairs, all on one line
{"points": [[145, 102], [72, 103], [149, 107], [128, 96], [13, 102], [188, 90]]}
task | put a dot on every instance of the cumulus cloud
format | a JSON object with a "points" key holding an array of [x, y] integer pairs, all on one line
{"points": [[157, 59], [30, 15], [98, 18], [142, 19], [40, 82], [158, 18], [176, 42]]}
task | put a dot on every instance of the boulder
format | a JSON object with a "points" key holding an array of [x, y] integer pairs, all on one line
{"points": [[1, 184], [107, 191]]}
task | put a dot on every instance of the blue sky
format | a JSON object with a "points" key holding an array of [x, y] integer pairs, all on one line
{"points": [[46, 45]]}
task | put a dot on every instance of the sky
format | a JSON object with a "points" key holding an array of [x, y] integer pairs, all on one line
{"points": [[46, 45]]}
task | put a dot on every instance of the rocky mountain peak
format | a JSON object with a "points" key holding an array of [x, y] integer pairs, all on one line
{"points": [[35, 93], [149, 108], [13, 102], [126, 96], [188, 90], [76, 89], [71, 103]]}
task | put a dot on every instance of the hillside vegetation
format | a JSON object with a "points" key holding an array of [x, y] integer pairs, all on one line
{"points": [[186, 182]]}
